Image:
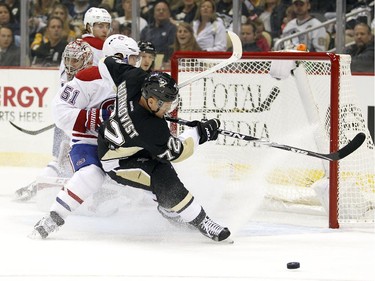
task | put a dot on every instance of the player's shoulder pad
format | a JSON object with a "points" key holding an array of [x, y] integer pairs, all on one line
{"points": [[94, 42], [89, 74]]}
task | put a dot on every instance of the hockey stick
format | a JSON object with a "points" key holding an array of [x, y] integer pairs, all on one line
{"points": [[236, 55], [31, 132], [334, 156]]}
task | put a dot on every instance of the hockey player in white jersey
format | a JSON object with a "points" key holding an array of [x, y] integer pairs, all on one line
{"points": [[79, 109], [314, 40], [77, 55], [97, 22]]}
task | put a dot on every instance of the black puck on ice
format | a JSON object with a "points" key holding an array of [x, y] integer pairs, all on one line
{"points": [[293, 265]]}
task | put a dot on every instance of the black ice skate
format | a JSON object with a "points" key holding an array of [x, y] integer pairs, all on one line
{"points": [[213, 230], [47, 224]]}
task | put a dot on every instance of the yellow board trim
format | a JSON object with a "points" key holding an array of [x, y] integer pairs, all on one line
{"points": [[20, 159]]}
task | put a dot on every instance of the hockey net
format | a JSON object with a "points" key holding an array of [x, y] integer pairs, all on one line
{"points": [[315, 108]]}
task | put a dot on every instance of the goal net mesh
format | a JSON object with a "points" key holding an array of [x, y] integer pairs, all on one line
{"points": [[293, 111]]}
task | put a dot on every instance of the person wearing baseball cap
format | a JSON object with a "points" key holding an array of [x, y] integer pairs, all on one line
{"points": [[314, 40]]}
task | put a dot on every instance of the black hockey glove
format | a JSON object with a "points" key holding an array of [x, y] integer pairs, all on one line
{"points": [[207, 130]]}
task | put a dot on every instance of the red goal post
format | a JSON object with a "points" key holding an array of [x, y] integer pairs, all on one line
{"points": [[322, 83]]}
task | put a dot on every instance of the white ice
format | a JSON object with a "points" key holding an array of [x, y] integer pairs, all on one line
{"points": [[137, 244]]}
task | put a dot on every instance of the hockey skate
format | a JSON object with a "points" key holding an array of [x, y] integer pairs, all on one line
{"points": [[213, 230], [27, 192], [46, 225]]}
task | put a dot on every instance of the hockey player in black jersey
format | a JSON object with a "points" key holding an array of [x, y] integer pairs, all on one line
{"points": [[137, 149]]}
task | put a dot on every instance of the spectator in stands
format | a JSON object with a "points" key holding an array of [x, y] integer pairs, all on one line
{"points": [[272, 17], [50, 53], [40, 10], [147, 8], [185, 12], [209, 30], [248, 37], [362, 52], [14, 6], [185, 40], [224, 9], [288, 16], [127, 18], [7, 19], [253, 8], [77, 12], [115, 27], [126, 29], [161, 31], [9, 52], [314, 40], [61, 11], [262, 42]]}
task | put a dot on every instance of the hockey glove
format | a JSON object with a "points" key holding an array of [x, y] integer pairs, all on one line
{"points": [[207, 130], [95, 117]]}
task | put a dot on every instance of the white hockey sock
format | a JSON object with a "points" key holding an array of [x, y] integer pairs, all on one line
{"points": [[191, 212]]}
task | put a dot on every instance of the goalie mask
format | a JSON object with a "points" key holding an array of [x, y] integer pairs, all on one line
{"points": [[77, 55], [161, 86], [125, 46]]}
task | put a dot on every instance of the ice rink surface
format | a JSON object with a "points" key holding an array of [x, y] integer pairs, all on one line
{"points": [[136, 243]]}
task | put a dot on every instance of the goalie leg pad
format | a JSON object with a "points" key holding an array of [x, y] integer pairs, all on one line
{"points": [[84, 183]]}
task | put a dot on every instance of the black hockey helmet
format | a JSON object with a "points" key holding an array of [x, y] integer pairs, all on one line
{"points": [[160, 85], [147, 47]]}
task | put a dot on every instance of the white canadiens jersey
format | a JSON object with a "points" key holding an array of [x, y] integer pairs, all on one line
{"points": [[314, 40], [92, 88]]}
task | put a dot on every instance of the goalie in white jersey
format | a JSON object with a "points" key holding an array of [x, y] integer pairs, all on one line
{"points": [[79, 109], [97, 22], [314, 40]]}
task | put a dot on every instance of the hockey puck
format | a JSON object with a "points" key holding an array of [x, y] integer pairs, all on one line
{"points": [[293, 265]]}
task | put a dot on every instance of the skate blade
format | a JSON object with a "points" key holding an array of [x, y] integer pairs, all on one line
{"points": [[226, 241], [35, 235]]}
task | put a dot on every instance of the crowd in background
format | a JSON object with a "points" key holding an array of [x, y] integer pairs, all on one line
{"points": [[195, 25]]}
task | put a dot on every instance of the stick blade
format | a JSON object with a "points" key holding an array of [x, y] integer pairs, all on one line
{"points": [[236, 43], [352, 146], [32, 132]]}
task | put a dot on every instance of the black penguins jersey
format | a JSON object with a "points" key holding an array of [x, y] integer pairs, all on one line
{"points": [[134, 131], [121, 71]]}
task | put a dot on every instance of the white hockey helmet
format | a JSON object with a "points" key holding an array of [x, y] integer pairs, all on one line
{"points": [[94, 15], [121, 44], [77, 55]]}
